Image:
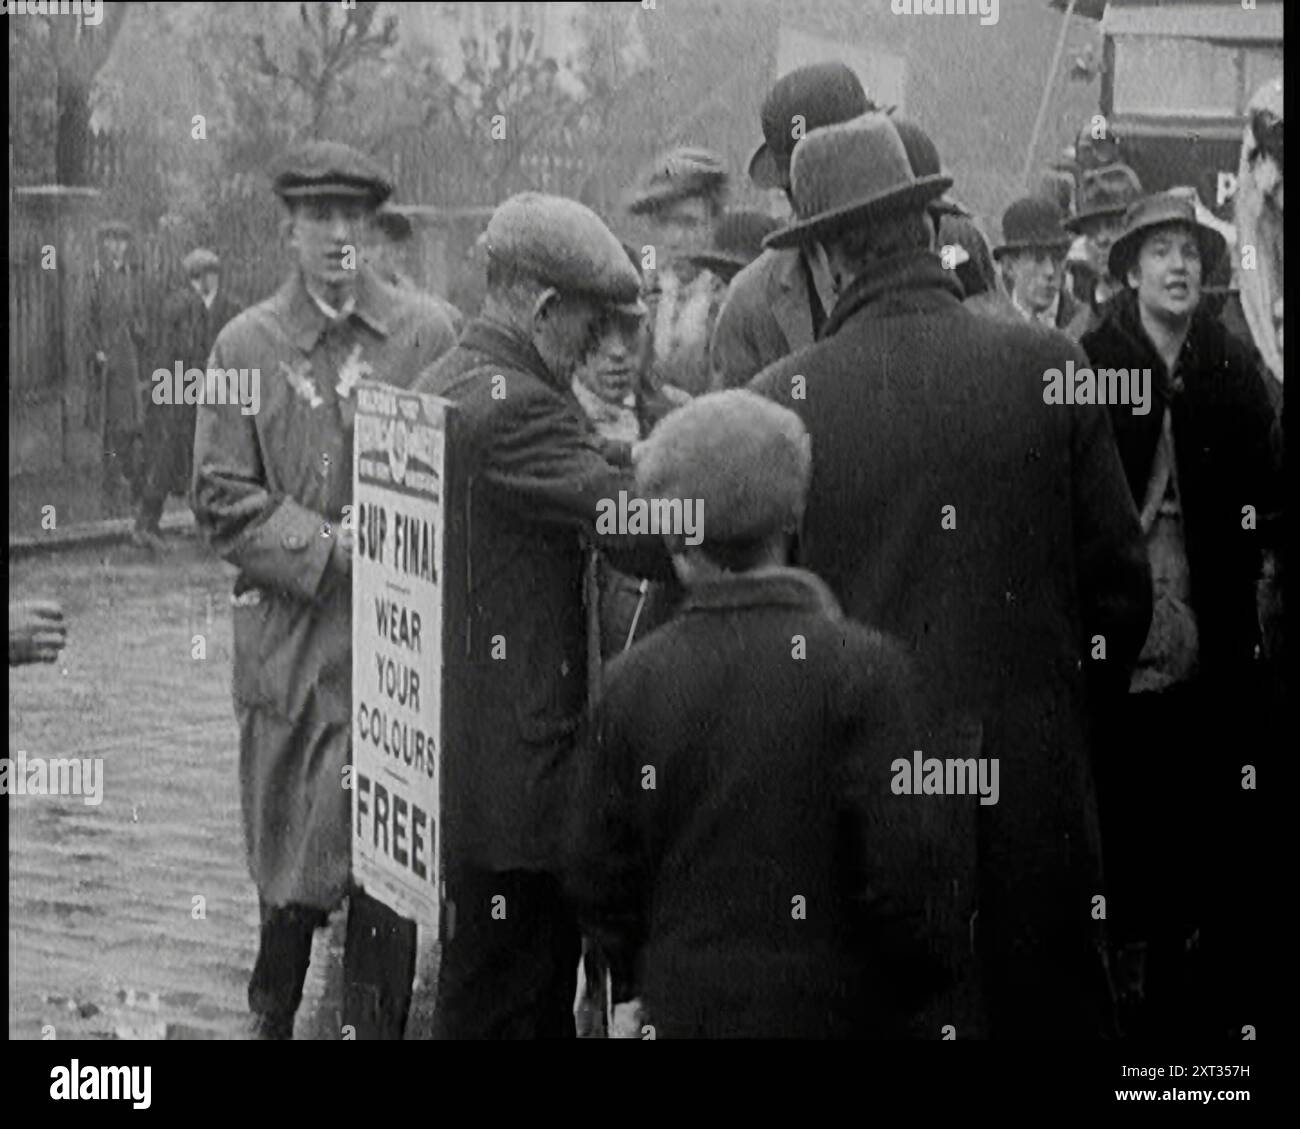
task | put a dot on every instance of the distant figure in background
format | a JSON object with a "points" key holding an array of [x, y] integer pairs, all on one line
{"points": [[1033, 249], [737, 242], [37, 632], [683, 198], [114, 407], [1105, 194], [385, 257], [192, 317]]}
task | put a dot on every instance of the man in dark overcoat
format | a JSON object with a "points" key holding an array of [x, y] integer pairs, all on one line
{"points": [[270, 492], [732, 846], [994, 536], [192, 316], [114, 395], [558, 282]]}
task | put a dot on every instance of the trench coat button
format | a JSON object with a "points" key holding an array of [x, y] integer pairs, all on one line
{"points": [[294, 542]]}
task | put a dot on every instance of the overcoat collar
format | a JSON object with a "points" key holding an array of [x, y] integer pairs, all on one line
{"points": [[913, 282], [778, 586], [306, 321], [484, 335]]}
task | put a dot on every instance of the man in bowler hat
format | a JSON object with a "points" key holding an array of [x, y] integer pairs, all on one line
{"points": [[558, 284], [778, 303], [270, 492], [751, 887], [993, 535], [1032, 253]]}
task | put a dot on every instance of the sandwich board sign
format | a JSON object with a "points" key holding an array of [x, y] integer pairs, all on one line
{"points": [[403, 555]]}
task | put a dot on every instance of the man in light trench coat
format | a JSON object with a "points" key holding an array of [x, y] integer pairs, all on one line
{"points": [[270, 491]]}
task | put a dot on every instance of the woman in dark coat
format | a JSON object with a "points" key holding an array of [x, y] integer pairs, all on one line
{"points": [[1200, 468]]}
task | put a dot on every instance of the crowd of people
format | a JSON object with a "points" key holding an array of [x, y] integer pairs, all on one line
{"points": [[684, 780]]}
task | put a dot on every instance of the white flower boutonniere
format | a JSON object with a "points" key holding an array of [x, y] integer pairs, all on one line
{"points": [[301, 382], [354, 369]]}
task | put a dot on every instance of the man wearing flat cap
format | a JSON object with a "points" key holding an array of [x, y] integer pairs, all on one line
{"points": [[682, 198], [192, 315], [753, 892], [558, 283], [992, 534], [270, 491], [1202, 470]]}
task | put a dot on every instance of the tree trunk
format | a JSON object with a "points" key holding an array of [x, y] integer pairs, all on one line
{"points": [[72, 140]]}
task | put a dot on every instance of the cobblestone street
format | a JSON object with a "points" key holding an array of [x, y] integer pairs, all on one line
{"points": [[104, 937]]}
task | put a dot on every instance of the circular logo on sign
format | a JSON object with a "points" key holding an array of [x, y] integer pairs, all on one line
{"points": [[397, 451]]}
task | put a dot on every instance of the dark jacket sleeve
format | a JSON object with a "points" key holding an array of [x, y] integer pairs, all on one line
{"points": [[606, 859], [1113, 568], [273, 540], [549, 468]]}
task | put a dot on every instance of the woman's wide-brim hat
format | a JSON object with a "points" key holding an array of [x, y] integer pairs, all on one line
{"points": [[679, 175], [1157, 211], [844, 174]]}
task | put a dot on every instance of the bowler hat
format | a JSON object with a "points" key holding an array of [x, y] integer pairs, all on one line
{"points": [[737, 241], [1107, 191], [847, 173], [679, 175], [746, 459], [814, 96], [923, 156], [1156, 211], [330, 168], [1034, 221], [563, 244], [199, 261]]}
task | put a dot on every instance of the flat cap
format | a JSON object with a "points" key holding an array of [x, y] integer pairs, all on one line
{"points": [[678, 175], [330, 168], [200, 260], [747, 459], [563, 244]]}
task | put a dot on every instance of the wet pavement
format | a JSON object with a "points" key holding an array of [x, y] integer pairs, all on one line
{"points": [[136, 917]]}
